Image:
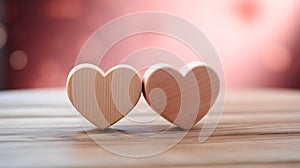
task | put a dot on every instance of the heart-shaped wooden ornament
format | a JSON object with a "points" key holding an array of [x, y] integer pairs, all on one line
{"points": [[182, 97], [103, 98]]}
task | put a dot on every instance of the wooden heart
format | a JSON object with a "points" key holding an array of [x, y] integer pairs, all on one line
{"points": [[182, 97], [103, 99]]}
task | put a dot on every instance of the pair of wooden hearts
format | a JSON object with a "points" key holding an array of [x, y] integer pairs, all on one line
{"points": [[181, 97]]}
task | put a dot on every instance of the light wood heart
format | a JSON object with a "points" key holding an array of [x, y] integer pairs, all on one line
{"points": [[103, 98], [182, 97]]}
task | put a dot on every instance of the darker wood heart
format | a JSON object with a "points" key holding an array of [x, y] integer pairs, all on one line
{"points": [[182, 97]]}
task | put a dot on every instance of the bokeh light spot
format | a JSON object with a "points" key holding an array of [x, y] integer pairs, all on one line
{"points": [[66, 9], [49, 73], [3, 35], [277, 59], [247, 10], [18, 60]]}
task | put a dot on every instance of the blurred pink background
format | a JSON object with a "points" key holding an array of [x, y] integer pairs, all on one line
{"points": [[257, 40]]}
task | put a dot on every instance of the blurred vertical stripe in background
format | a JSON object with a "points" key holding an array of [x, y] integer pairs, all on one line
{"points": [[258, 41], [3, 40]]}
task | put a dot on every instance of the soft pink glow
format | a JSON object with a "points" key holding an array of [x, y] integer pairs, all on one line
{"points": [[252, 37]]}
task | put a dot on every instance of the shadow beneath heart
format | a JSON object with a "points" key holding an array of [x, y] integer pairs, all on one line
{"points": [[136, 130]]}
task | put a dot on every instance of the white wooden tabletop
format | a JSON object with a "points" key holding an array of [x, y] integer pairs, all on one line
{"points": [[259, 127]]}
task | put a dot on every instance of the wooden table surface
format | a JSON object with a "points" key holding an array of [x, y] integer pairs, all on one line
{"points": [[39, 128]]}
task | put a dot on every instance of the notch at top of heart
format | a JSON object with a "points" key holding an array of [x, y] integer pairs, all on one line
{"points": [[103, 98]]}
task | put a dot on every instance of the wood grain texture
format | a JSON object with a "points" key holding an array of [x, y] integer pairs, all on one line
{"points": [[182, 97], [103, 98], [259, 128]]}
